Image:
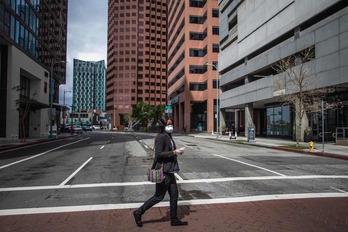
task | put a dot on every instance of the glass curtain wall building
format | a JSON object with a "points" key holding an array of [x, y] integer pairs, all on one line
{"points": [[31, 31], [88, 85]]}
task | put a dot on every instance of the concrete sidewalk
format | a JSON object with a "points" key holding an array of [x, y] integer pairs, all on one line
{"points": [[330, 149], [318, 214]]}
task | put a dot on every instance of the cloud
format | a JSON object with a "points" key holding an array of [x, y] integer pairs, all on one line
{"points": [[87, 37]]}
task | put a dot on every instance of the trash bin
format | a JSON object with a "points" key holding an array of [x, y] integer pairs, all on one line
{"points": [[251, 134], [200, 127]]}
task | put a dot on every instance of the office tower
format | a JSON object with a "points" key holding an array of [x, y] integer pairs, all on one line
{"points": [[88, 85], [32, 39], [193, 41], [252, 42], [136, 56]]}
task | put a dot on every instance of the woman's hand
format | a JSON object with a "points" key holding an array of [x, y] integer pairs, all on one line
{"points": [[179, 151]]}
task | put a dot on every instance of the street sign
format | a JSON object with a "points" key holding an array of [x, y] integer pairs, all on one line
{"points": [[168, 109]]}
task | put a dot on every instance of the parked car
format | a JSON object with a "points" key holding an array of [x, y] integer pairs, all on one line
{"points": [[86, 128], [96, 127], [78, 129]]}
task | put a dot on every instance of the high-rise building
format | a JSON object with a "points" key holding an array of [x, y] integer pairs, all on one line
{"points": [[136, 70], [193, 41], [88, 85], [32, 39], [255, 36]]}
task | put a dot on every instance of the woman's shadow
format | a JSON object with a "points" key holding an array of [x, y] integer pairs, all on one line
{"points": [[183, 210]]}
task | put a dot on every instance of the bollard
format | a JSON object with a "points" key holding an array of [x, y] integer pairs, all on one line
{"points": [[311, 146]]}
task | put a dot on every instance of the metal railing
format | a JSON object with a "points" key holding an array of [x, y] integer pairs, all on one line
{"points": [[341, 134]]}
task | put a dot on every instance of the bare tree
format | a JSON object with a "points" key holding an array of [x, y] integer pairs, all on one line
{"points": [[23, 107], [300, 88]]}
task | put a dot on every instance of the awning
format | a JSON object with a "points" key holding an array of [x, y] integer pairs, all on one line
{"points": [[34, 105], [60, 107]]}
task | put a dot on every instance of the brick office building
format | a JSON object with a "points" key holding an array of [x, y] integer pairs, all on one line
{"points": [[193, 41], [136, 56]]}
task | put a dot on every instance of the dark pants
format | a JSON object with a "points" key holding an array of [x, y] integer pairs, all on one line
{"points": [[169, 184]]}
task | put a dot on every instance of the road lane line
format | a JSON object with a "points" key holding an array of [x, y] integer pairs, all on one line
{"points": [[43, 153], [177, 176], [102, 147], [192, 181], [74, 173], [80, 208], [146, 146], [340, 190], [255, 166], [33, 145]]}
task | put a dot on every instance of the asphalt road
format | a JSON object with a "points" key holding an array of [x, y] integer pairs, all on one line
{"points": [[104, 168]]}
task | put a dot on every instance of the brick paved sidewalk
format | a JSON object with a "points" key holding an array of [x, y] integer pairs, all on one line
{"points": [[324, 214]]}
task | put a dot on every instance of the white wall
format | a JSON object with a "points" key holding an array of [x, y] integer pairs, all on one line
{"points": [[17, 60]]}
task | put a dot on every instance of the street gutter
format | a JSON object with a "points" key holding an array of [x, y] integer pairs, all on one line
{"points": [[322, 154]]}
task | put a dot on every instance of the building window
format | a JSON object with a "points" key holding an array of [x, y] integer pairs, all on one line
{"points": [[215, 30], [45, 87], [198, 3], [278, 120], [197, 19], [198, 52], [198, 86], [215, 13], [216, 48], [198, 36], [25, 87], [197, 69]]}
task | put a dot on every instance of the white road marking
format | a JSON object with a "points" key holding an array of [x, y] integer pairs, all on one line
{"points": [[64, 209], [177, 176], [102, 147], [265, 169], [50, 141], [146, 146], [193, 181], [141, 141], [109, 141], [74, 173], [43, 153], [340, 190]]}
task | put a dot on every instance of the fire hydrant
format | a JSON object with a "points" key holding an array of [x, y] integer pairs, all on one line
{"points": [[311, 146]]}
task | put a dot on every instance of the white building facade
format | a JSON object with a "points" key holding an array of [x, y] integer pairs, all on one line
{"points": [[254, 35]]}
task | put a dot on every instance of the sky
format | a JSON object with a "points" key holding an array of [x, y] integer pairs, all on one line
{"points": [[87, 37]]}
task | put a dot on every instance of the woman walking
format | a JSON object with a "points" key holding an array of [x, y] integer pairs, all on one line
{"points": [[166, 154]]}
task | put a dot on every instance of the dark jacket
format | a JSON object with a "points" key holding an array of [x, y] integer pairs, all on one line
{"points": [[164, 153]]}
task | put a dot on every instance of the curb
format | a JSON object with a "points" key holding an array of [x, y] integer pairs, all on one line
{"points": [[10, 147], [322, 154]]}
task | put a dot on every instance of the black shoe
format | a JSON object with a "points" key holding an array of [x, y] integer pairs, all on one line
{"points": [[178, 223], [137, 219]]}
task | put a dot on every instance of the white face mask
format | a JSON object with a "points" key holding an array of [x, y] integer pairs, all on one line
{"points": [[169, 129]]}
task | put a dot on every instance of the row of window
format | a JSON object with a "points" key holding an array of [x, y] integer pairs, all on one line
{"points": [[11, 27], [201, 86]]}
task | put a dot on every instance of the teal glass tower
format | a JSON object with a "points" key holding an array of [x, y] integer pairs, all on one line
{"points": [[88, 85]]}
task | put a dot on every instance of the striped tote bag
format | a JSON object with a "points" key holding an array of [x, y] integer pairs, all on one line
{"points": [[155, 176]]}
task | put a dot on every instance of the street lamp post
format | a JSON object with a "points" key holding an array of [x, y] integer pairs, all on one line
{"points": [[51, 93], [65, 91], [217, 99], [114, 116]]}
